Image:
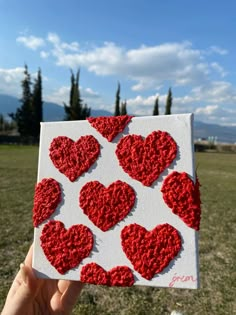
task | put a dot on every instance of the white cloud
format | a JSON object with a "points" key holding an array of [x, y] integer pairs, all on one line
{"points": [[145, 101], [216, 114], [59, 46], [74, 46], [149, 66], [58, 96], [88, 92], [185, 100], [215, 66], [178, 64], [53, 38], [100, 60], [141, 105], [31, 42], [208, 110], [34, 43], [10, 80], [213, 103], [44, 54], [61, 95], [218, 92], [218, 50]]}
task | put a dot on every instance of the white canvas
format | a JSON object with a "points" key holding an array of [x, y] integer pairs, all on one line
{"points": [[149, 211]]}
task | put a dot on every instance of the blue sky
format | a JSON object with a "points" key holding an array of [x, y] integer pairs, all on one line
{"points": [[148, 46]]}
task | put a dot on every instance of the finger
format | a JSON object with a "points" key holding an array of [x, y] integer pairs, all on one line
{"points": [[15, 285], [28, 258], [27, 276], [19, 277], [63, 285], [71, 294]]}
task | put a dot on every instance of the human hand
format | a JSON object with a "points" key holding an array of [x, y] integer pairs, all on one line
{"points": [[30, 296]]}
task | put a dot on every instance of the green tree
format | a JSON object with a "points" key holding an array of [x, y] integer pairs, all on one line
{"points": [[37, 105], [117, 103], [156, 107], [168, 103], [23, 115], [2, 123], [85, 112], [123, 109], [76, 110]]}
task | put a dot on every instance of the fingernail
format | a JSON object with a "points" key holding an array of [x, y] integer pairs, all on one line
{"points": [[23, 273]]}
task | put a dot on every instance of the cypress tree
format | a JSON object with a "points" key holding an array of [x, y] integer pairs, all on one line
{"points": [[68, 108], [2, 122], [156, 107], [23, 115], [123, 110], [168, 103], [85, 112], [37, 105], [117, 103], [76, 110]]}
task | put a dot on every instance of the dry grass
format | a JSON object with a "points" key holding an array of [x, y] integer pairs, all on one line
{"points": [[217, 173]]}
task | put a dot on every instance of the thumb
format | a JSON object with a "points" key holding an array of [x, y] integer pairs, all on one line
{"points": [[24, 289]]}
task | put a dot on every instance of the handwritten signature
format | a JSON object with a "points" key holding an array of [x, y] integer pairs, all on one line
{"points": [[176, 279]]}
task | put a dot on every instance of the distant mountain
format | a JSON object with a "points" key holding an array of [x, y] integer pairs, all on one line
{"points": [[55, 112], [220, 133], [8, 104], [51, 111]]}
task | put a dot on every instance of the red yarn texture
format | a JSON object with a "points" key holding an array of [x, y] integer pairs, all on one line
{"points": [[110, 127], [74, 158], [47, 196], [65, 249], [120, 276], [150, 252], [145, 160], [105, 207], [183, 197]]}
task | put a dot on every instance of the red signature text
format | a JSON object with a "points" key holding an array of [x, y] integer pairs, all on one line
{"points": [[176, 279]]}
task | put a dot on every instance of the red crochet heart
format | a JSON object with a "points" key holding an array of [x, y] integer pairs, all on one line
{"points": [[110, 127], [183, 197], [65, 249], [47, 196], [145, 160], [150, 252], [118, 276], [105, 207], [74, 158]]}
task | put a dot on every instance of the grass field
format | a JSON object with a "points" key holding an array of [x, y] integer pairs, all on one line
{"points": [[217, 174]]}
